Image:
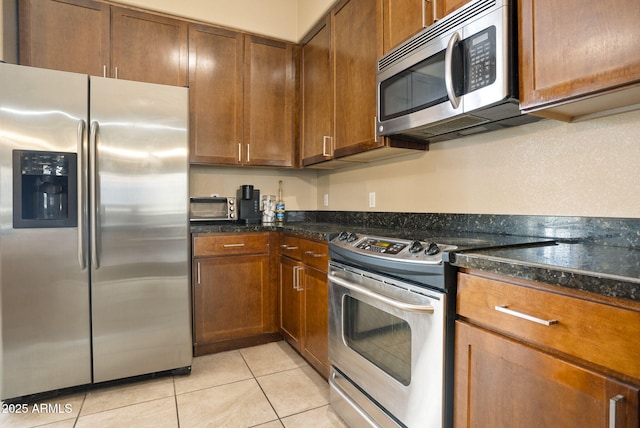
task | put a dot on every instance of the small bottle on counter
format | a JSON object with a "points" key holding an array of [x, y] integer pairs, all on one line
{"points": [[280, 205]]}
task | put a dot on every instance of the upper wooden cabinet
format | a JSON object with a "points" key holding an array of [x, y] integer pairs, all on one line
{"points": [[69, 35], [357, 36], [269, 101], [84, 36], [443, 8], [405, 18], [148, 48], [316, 130], [242, 98], [338, 89], [216, 58], [578, 57]]}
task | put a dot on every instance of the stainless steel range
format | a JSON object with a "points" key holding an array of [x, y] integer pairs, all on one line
{"points": [[389, 314]]}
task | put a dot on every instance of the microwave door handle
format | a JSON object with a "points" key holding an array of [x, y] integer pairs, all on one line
{"points": [[448, 70]]}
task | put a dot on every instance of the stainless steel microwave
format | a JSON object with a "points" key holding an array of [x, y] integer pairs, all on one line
{"points": [[455, 78], [215, 208]]}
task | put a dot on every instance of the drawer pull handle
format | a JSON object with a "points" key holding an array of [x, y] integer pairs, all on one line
{"points": [[613, 406], [286, 247], [504, 309], [232, 245], [312, 254]]}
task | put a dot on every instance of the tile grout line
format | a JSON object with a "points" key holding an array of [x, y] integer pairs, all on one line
{"points": [[261, 389]]}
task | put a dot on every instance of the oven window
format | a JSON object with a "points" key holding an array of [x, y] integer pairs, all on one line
{"points": [[381, 338]]}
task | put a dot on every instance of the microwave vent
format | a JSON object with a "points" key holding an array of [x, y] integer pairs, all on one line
{"points": [[451, 21], [455, 124]]}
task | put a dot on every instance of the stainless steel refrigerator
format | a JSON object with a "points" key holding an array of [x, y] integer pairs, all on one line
{"points": [[94, 267]]}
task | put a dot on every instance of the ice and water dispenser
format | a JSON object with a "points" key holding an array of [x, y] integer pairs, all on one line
{"points": [[44, 189]]}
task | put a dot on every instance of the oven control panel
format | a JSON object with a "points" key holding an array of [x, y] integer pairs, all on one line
{"points": [[379, 245], [414, 251]]}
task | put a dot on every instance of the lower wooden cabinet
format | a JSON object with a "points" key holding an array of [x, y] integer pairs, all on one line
{"points": [[505, 383], [316, 328], [530, 355], [304, 299], [234, 293], [246, 293], [291, 301]]}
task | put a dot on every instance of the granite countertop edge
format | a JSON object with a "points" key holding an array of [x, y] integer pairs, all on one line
{"points": [[617, 286]]}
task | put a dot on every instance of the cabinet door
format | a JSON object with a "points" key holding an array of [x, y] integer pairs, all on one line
{"points": [[403, 19], [269, 86], [148, 48], [445, 7], [215, 95], [317, 96], [357, 45], [600, 52], [503, 383], [67, 35], [291, 301], [231, 297], [316, 316]]}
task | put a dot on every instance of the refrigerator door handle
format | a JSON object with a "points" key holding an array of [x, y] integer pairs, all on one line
{"points": [[82, 167], [93, 206]]}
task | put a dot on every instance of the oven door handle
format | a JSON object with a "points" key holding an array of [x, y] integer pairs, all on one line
{"points": [[404, 306]]}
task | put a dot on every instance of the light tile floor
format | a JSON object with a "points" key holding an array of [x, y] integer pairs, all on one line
{"points": [[265, 386]]}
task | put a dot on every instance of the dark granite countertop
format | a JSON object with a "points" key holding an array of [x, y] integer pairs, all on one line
{"points": [[579, 263], [607, 270], [324, 231]]}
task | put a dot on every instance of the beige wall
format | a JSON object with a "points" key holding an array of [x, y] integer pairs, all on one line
{"points": [[546, 168], [299, 186], [284, 19]]}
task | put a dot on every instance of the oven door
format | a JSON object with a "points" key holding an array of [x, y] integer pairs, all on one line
{"points": [[386, 346]]}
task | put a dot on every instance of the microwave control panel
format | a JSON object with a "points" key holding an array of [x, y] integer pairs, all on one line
{"points": [[481, 54]]}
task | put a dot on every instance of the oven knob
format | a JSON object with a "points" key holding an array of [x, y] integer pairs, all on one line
{"points": [[415, 247], [351, 237], [432, 249], [342, 236]]}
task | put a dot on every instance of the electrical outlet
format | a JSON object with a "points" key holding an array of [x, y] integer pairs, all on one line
{"points": [[325, 200], [372, 199]]}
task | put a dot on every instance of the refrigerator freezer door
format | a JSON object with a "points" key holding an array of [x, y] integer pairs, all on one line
{"points": [[44, 291], [140, 269]]}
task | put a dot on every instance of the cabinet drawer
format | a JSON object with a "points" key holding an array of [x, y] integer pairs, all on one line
{"points": [[315, 254], [290, 247], [599, 333], [230, 244]]}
